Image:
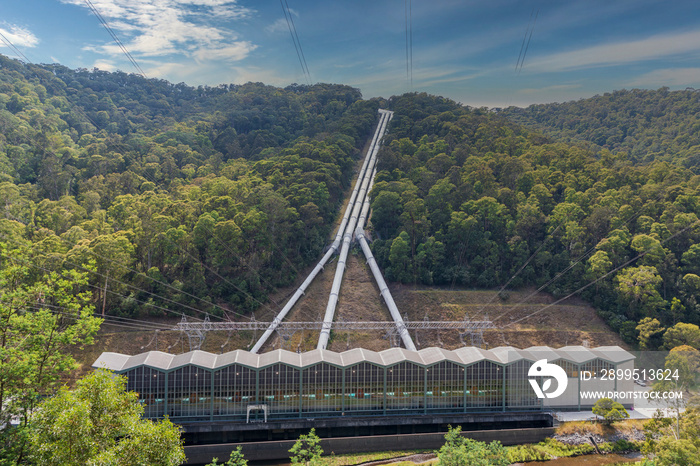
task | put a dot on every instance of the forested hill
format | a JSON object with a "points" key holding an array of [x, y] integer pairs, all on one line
{"points": [[467, 198], [174, 196], [646, 125]]}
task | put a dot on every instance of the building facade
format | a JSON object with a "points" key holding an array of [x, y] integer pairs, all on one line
{"points": [[200, 386]]}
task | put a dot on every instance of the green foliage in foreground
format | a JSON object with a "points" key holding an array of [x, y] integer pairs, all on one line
{"points": [[459, 451], [674, 441], [236, 459], [100, 423], [551, 448], [366, 457], [42, 315], [546, 450], [307, 450], [610, 410]]}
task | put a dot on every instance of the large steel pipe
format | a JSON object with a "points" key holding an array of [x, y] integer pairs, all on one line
{"points": [[347, 236], [383, 288], [334, 247]]}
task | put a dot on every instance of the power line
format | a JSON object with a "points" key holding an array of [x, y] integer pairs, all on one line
{"points": [[291, 19], [575, 262], [297, 47], [103, 276], [408, 14], [522, 61], [405, 6], [642, 254], [410, 36], [522, 46], [19, 53], [115, 37], [532, 256]]}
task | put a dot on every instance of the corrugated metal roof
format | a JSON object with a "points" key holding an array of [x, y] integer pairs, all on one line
{"points": [[612, 353], [577, 354], [509, 355], [425, 357], [535, 353], [112, 361]]}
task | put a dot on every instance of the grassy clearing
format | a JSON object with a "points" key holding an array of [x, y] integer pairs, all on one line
{"points": [[588, 428], [549, 449], [357, 458]]}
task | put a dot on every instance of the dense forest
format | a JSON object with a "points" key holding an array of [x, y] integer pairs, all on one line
{"points": [[646, 125], [172, 197], [465, 197]]}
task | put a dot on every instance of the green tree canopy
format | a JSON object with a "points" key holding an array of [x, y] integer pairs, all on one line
{"points": [[461, 451], [307, 449], [610, 410], [682, 334], [100, 423]]}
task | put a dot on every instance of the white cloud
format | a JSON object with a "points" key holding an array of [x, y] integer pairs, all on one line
{"points": [[19, 36], [160, 28], [669, 77], [655, 47], [278, 26], [236, 51], [104, 65], [171, 69]]}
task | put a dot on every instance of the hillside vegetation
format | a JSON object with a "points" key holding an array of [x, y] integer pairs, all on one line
{"points": [[172, 196], [466, 198], [645, 125], [179, 199]]}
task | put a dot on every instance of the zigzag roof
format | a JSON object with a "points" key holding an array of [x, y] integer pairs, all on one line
{"points": [[503, 355]]}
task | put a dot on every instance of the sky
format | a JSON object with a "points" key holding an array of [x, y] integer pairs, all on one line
{"points": [[469, 51]]}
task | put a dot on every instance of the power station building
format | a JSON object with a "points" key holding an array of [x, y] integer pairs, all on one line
{"points": [[239, 385]]}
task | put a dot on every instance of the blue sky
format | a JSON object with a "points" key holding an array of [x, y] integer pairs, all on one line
{"points": [[464, 50]]}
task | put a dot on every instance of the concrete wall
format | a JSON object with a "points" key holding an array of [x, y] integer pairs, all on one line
{"points": [[202, 454]]}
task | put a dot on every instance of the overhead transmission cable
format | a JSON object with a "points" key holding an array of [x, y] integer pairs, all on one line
{"points": [[115, 37], [405, 5], [410, 36], [527, 46], [572, 264], [522, 46], [522, 267], [30, 264], [19, 53], [301, 49], [116, 320], [295, 40], [593, 282], [408, 13]]}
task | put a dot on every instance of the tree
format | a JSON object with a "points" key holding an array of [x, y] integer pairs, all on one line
{"points": [[236, 459], [307, 450], [682, 334], [650, 331], [399, 257], [460, 451], [100, 423], [673, 442], [610, 410], [637, 287], [684, 361], [41, 318]]}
